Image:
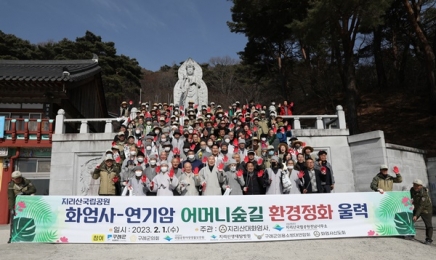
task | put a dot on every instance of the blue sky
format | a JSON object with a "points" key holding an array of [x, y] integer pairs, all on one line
{"points": [[155, 32]]}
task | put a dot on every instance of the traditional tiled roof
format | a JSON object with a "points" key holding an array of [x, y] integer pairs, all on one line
{"points": [[48, 70]]}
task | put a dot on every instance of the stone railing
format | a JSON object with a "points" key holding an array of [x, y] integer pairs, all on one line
{"points": [[84, 127], [322, 121]]}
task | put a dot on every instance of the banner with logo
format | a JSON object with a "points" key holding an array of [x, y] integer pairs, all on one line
{"points": [[200, 219]]}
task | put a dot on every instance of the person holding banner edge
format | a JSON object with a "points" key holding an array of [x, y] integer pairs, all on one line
{"points": [[422, 208], [18, 186]]}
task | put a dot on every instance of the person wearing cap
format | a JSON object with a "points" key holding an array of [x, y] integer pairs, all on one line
{"points": [[109, 175], [118, 157], [273, 178], [268, 155], [165, 182], [254, 181], [323, 165], [127, 171], [383, 181], [233, 179], [422, 208], [18, 186], [189, 180], [255, 146], [210, 178], [178, 140], [150, 171], [310, 182], [139, 184]]}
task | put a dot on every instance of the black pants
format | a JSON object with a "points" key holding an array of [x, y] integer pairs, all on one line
{"points": [[426, 217], [326, 188]]}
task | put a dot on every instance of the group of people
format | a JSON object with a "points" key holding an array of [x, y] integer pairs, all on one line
{"points": [[168, 150]]}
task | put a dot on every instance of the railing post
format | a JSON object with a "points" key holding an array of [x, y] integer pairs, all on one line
{"points": [[297, 124], [60, 127], [26, 130], [108, 126], [341, 117], [14, 129], [38, 130], [50, 129], [319, 123], [84, 129]]}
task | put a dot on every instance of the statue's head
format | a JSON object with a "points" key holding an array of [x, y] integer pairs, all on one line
{"points": [[190, 67]]}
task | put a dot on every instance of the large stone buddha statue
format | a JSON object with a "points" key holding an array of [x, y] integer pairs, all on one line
{"points": [[190, 87]]}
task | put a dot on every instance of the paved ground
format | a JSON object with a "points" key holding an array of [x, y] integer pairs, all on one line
{"points": [[351, 248]]}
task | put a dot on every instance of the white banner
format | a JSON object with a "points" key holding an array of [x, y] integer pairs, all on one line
{"points": [[200, 219]]}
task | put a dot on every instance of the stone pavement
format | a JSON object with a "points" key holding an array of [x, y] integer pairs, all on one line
{"points": [[345, 248]]}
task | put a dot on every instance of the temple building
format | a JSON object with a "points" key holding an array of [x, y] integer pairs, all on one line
{"points": [[31, 93]]}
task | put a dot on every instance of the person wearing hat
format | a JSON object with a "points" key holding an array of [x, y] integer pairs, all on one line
{"points": [[254, 181], [422, 208], [268, 155], [189, 180], [383, 181], [118, 157], [124, 109], [322, 162], [109, 175], [255, 146], [178, 140], [127, 171], [18, 186], [233, 179], [273, 176], [165, 182], [307, 151], [297, 147], [241, 148], [138, 185], [251, 157]]}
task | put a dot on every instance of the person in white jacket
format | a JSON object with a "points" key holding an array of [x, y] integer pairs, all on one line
{"points": [[210, 178], [188, 181], [273, 177], [164, 183]]}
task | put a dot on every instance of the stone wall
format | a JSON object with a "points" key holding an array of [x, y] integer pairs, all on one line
{"points": [[369, 151], [74, 157], [431, 169], [335, 143]]}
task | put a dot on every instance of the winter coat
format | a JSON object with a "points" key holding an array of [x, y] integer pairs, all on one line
{"points": [[107, 186], [385, 182], [305, 182], [253, 184], [329, 169], [23, 188], [235, 183]]}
